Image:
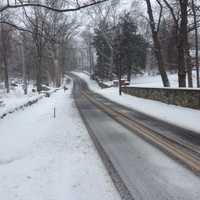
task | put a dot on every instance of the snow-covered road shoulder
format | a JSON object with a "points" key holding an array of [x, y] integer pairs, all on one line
{"points": [[184, 117], [43, 158]]}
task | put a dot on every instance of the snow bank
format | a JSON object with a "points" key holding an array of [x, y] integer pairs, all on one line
{"points": [[183, 117]]}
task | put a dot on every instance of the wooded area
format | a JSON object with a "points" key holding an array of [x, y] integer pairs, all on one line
{"points": [[41, 40]]}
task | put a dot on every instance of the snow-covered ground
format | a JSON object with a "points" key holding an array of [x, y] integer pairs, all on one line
{"points": [[180, 116], [47, 158], [146, 80], [15, 98], [155, 81]]}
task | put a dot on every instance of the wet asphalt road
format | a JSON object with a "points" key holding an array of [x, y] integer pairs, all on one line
{"points": [[148, 173]]}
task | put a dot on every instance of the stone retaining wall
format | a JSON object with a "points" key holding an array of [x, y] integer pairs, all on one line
{"points": [[181, 97]]}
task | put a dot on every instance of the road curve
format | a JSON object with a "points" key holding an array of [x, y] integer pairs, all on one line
{"points": [[146, 172]]}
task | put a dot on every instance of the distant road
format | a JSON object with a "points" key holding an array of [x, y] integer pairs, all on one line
{"points": [[146, 172]]}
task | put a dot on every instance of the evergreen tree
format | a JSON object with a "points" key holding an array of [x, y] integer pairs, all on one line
{"points": [[103, 51], [130, 45]]}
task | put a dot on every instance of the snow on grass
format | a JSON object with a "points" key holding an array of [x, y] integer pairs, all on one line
{"points": [[47, 158], [180, 116]]}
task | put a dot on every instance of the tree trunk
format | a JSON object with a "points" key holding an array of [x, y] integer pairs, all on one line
{"points": [[182, 43], [57, 66], [196, 43], [5, 44], [181, 68], [92, 63], [38, 74], [189, 67], [25, 86], [157, 47], [129, 74], [6, 79], [111, 67]]}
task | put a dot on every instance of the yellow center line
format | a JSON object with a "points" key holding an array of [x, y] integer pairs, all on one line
{"points": [[163, 143]]}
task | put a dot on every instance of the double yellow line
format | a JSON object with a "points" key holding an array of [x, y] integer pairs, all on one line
{"points": [[177, 151]]}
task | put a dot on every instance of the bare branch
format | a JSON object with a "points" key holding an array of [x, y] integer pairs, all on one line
{"points": [[15, 26], [27, 30], [8, 6], [171, 11], [160, 15]]}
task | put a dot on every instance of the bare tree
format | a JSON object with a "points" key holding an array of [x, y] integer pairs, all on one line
{"points": [[196, 42], [156, 41], [5, 48], [42, 16], [179, 13], [23, 60], [60, 29], [87, 36]]}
